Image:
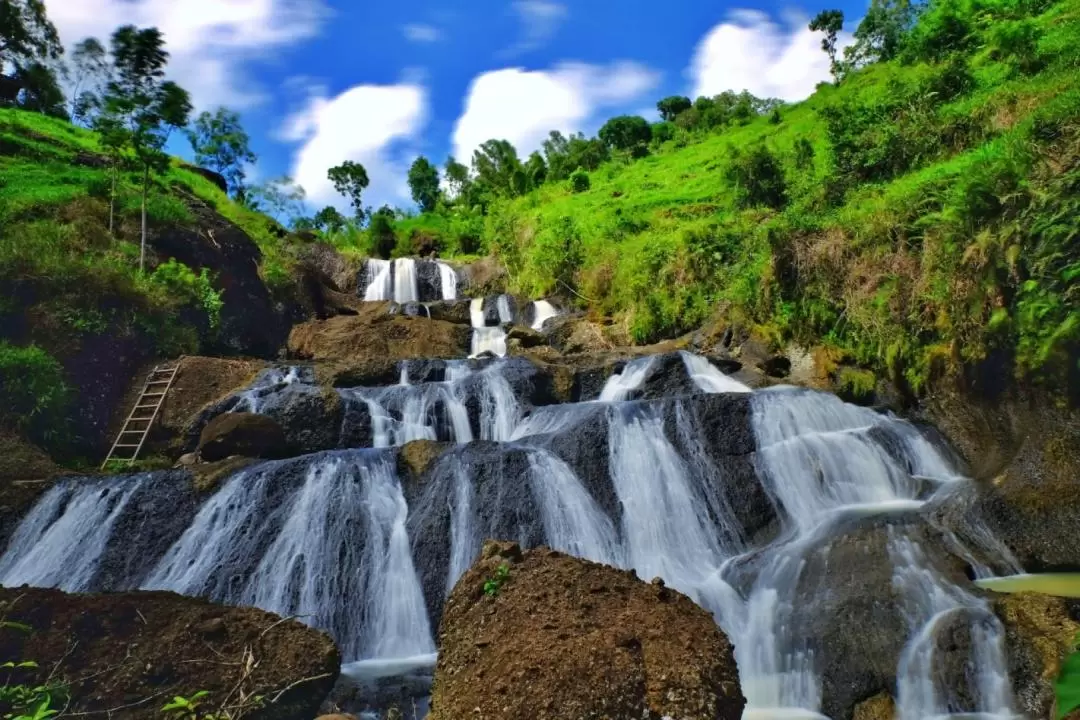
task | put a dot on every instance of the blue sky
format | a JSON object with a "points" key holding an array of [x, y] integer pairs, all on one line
{"points": [[321, 81]]}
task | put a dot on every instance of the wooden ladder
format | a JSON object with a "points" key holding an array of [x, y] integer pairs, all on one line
{"points": [[137, 426]]}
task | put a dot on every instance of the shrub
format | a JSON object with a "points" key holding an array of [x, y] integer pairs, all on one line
{"points": [[32, 389], [181, 281], [579, 181], [758, 178]]}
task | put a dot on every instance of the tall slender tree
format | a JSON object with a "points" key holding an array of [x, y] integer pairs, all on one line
{"points": [[141, 107], [424, 183], [88, 73], [26, 33], [830, 22], [350, 179]]}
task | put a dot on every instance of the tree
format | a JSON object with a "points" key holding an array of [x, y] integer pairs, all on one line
{"points": [[579, 181], [140, 106], [381, 230], [881, 34], [626, 132], [40, 90], [758, 178], [496, 164], [329, 219], [670, 107], [220, 143], [424, 183], [280, 197], [88, 73], [830, 22], [350, 178], [535, 170], [457, 178], [26, 34]]}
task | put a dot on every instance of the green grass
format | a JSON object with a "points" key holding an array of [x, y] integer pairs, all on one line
{"points": [[946, 241]]}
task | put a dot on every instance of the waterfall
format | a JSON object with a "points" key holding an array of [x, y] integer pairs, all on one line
{"points": [[707, 377], [320, 537], [60, 542], [485, 339], [379, 278], [741, 500], [621, 385], [449, 281], [406, 283], [542, 312]]}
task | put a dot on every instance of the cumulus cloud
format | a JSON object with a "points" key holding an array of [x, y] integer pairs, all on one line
{"points": [[523, 106], [420, 33], [540, 20], [374, 125], [209, 41], [752, 52]]}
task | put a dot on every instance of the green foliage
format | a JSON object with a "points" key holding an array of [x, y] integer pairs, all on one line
{"points": [[671, 107], [26, 33], [279, 197], [32, 388], [495, 583], [830, 22], [381, 230], [757, 177], [329, 220], [350, 179], [626, 132], [193, 708], [424, 183], [180, 281], [221, 144], [20, 701], [579, 181], [1067, 686]]}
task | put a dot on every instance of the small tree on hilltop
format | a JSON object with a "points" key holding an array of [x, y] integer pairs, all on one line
{"points": [[350, 179], [89, 74], [830, 22], [424, 183], [329, 219], [221, 144], [671, 107], [626, 132]]}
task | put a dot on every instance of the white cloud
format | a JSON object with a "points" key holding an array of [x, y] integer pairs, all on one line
{"points": [[523, 106], [752, 52], [540, 20], [420, 33], [364, 124], [209, 41]]}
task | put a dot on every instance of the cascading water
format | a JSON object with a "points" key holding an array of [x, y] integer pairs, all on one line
{"points": [[379, 278], [542, 312], [642, 484], [406, 283], [485, 339], [448, 281]]}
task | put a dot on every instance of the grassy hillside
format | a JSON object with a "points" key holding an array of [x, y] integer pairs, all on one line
{"points": [[64, 279], [924, 213]]}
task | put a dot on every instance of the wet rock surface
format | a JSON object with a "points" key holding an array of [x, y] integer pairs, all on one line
{"points": [[1039, 634], [245, 434], [565, 638], [125, 655]]}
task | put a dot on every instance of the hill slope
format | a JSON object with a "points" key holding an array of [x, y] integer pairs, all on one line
{"points": [[923, 211]]}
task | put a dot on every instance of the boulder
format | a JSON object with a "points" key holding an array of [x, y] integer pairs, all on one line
{"points": [[1039, 634], [879, 707], [365, 349], [454, 311], [125, 655], [486, 276], [245, 434], [417, 456], [520, 336], [341, 271], [553, 637]]}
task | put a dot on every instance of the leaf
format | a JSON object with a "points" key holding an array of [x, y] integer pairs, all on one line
{"points": [[1067, 687], [16, 626]]}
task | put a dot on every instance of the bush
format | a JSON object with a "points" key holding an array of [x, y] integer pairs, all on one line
{"points": [[381, 231], [181, 282], [579, 181], [32, 389], [758, 178]]}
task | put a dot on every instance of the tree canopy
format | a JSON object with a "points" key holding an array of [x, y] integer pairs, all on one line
{"points": [[424, 183], [221, 144], [670, 107], [626, 132], [350, 179], [26, 33]]}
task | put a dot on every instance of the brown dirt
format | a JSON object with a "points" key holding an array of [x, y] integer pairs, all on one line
{"points": [[368, 346], [124, 655], [567, 638]]}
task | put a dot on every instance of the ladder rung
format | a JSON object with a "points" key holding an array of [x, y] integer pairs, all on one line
{"points": [[159, 382], [132, 432], [151, 405], [156, 394], [120, 445]]}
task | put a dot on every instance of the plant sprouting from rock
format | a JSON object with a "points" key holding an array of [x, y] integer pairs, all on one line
{"points": [[494, 584]]}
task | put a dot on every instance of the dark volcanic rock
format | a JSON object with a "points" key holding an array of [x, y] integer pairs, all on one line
{"points": [[564, 638], [126, 655]]}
